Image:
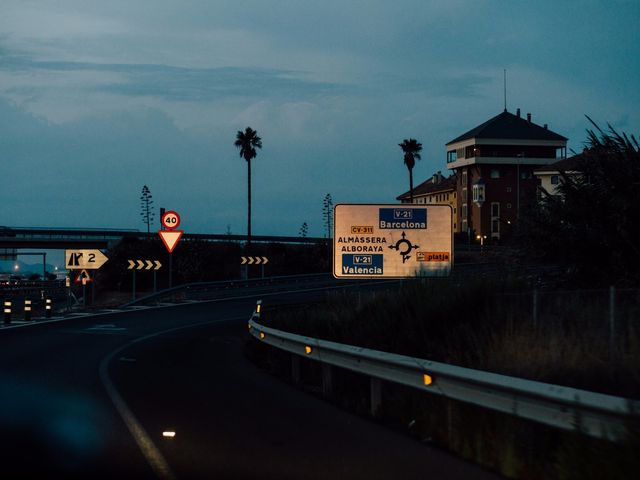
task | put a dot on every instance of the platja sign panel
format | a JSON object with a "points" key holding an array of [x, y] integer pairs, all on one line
{"points": [[392, 241]]}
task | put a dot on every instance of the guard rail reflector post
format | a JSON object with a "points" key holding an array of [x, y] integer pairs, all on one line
{"points": [[7, 312], [47, 308], [27, 310]]}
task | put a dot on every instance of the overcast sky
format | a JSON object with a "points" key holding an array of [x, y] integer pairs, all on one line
{"points": [[98, 99]]}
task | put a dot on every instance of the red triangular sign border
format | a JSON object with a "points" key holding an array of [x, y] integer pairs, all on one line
{"points": [[171, 241]]}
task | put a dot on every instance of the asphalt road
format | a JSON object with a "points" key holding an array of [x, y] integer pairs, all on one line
{"points": [[91, 398]]}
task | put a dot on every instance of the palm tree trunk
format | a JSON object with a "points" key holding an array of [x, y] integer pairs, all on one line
{"points": [[411, 185], [249, 202]]}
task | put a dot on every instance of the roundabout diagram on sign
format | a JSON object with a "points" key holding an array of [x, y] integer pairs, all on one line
{"points": [[408, 247]]}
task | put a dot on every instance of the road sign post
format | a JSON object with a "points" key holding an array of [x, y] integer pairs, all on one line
{"points": [[170, 237], [392, 241]]}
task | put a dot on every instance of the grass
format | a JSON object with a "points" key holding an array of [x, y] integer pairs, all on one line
{"points": [[491, 326]]}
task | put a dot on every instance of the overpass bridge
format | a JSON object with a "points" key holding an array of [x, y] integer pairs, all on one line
{"points": [[102, 238]]}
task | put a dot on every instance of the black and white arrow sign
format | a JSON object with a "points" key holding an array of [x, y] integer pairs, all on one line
{"points": [[254, 260], [144, 265]]}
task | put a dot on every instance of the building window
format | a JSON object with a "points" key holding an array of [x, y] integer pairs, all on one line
{"points": [[495, 209], [478, 192], [495, 173], [464, 212], [464, 177], [555, 179], [508, 189], [495, 226], [508, 206]]}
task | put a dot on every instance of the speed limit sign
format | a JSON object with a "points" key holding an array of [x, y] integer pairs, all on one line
{"points": [[170, 220]]}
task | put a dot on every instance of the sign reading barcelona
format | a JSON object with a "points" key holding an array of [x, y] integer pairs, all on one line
{"points": [[392, 241]]}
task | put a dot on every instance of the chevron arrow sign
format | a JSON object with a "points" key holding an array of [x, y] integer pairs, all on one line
{"points": [[254, 260], [144, 265]]}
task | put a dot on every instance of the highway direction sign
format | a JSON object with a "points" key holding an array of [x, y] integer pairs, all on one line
{"points": [[392, 241], [170, 238], [84, 259], [170, 220]]}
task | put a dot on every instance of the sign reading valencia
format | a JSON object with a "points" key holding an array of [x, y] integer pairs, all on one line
{"points": [[392, 241]]}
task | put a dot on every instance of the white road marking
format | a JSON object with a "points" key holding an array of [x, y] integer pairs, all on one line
{"points": [[153, 455]]}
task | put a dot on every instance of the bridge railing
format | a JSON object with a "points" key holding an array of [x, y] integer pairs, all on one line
{"points": [[591, 413]]}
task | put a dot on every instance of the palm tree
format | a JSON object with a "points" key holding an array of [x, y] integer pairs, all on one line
{"points": [[410, 148], [247, 142]]}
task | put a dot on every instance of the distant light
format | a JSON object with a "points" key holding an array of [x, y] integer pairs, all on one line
{"points": [[308, 349], [427, 379], [16, 266], [169, 434]]}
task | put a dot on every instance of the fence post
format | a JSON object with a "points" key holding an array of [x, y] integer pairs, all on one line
{"points": [[376, 396], [535, 308], [295, 368], [327, 380], [612, 323]]}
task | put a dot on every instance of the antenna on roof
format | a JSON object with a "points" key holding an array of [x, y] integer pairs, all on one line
{"points": [[505, 89]]}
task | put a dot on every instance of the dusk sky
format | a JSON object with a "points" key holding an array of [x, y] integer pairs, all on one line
{"points": [[98, 99]]}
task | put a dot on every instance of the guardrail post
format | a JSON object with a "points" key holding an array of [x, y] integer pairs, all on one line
{"points": [[295, 368], [376, 396], [327, 380], [27, 310], [47, 308], [7, 312]]}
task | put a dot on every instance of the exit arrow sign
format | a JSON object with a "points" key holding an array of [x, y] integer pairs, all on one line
{"points": [[84, 259]]}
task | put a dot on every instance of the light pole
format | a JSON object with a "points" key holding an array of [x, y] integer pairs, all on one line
{"points": [[481, 238]]}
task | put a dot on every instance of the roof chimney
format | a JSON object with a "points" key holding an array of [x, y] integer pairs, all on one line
{"points": [[546, 127], [518, 113], [529, 117]]}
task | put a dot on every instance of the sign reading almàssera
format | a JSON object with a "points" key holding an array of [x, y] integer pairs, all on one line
{"points": [[383, 241]]}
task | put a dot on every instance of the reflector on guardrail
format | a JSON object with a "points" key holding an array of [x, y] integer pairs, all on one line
{"points": [[258, 307], [308, 349], [427, 379]]}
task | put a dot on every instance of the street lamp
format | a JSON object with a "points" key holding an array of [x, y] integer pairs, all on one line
{"points": [[481, 238]]}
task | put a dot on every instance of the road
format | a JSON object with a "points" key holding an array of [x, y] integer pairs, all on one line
{"points": [[91, 398]]}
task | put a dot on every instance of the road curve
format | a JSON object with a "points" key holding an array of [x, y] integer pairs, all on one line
{"points": [[72, 393]]}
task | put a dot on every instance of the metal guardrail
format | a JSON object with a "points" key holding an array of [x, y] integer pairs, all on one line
{"points": [[594, 414], [199, 289]]}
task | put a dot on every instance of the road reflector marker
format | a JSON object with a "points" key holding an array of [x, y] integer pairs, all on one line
{"points": [[308, 349], [427, 379], [169, 434]]}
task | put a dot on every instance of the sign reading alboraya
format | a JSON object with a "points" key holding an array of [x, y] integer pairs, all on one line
{"points": [[383, 241]]}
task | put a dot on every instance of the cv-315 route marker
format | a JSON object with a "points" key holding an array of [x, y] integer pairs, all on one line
{"points": [[144, 264], [254, 260]]}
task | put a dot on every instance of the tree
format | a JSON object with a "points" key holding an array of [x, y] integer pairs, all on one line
{"points": [[304, 230], [146, 207], [327, 213], [411, 149], [247, 142], [592, 226]]}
